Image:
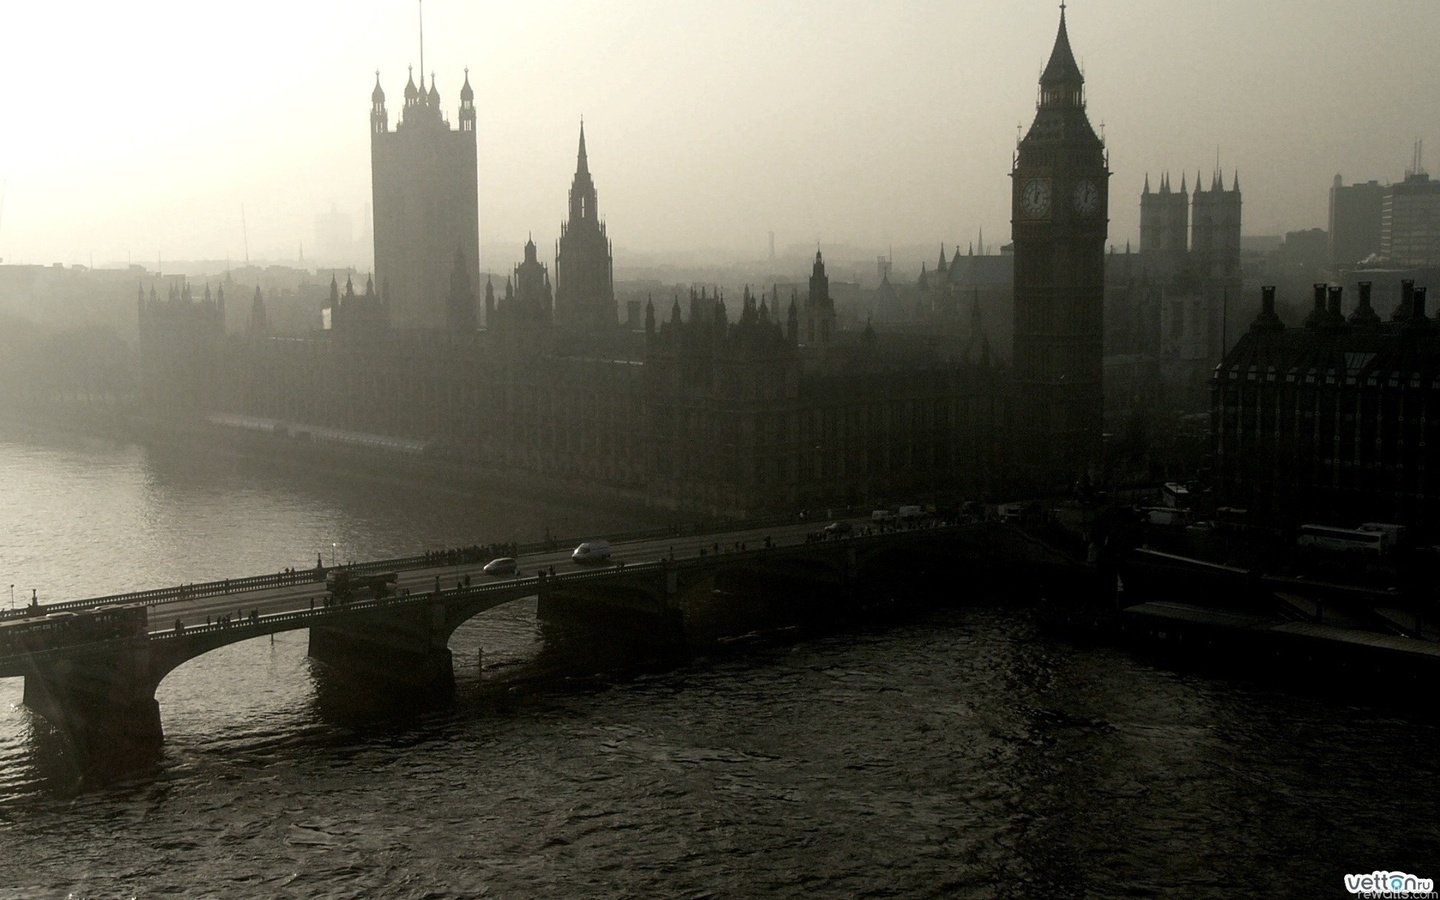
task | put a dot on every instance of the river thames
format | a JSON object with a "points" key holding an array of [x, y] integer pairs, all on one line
{"points": [[961, 752]]}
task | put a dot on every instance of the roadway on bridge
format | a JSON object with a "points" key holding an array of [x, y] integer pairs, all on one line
{"points": [[163, 615]]}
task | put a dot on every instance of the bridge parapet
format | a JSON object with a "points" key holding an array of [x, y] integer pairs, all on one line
{"points": [[419, 561], [108, 687]]}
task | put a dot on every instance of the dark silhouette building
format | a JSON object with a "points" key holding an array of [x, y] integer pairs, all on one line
{"points": [[1330, 421], [777, 406], [1354, 231], [1060, 188], [1410, 221], [348, 312], [584, 267], [180, 342], [426, 213], [819, 307]]}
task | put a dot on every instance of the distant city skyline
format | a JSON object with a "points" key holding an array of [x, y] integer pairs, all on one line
{"points": [[151, 126]]}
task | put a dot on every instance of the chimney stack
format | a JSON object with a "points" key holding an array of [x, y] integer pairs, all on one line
{"points": [[1407, 296], [1364, 314], [1317, 317], [1267, 321]]}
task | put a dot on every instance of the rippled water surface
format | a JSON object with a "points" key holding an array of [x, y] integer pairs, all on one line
{"points": [[965, 752]]}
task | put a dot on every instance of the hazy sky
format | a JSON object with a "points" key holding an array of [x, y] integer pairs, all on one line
{"points": [[140, 128]]}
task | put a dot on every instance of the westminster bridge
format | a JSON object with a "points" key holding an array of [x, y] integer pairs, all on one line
{"points": [[662, 589]]}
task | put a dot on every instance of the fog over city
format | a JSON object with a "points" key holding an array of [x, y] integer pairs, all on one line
{"points": [[140, 131]]}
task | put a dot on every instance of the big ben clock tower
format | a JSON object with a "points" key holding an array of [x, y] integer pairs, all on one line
{"points": [[1058, 207]]}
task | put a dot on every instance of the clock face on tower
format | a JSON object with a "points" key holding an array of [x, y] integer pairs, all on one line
{"points": [[1035, 197], [1087, 198]]}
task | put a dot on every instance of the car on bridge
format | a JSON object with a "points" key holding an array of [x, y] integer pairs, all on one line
{"points": [[837, 528], [505, 565], [592, 552]]}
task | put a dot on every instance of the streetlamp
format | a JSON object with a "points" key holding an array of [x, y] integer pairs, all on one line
{"points": [[12, 596], [333, 547]]}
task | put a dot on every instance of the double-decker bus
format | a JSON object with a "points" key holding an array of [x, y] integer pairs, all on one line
{"points": [[70, 628]]}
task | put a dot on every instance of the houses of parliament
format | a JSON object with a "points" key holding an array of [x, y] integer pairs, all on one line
{"points": [[707, 402]]}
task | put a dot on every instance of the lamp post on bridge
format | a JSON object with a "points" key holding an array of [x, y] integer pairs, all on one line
{"points": [[12, 596], [333, 548]]}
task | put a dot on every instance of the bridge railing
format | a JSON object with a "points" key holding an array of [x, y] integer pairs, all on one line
{"points": [[178, 592], [263, 624], [450, 557]]}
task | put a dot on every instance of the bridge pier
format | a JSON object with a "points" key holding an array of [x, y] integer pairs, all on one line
{"points": [[404, 648], [640, 612], [105, 707]]}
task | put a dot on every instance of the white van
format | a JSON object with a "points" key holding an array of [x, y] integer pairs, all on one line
{"points": [[882, 516], [910, 513], [591, 552]]}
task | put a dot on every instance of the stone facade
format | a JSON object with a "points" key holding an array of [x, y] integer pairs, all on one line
{"points": [[1335, 421]]}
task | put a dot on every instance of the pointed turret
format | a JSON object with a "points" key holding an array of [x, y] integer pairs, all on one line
{"points": [[1062, 84], [1147, 184], [584, 256], [467, 104], [259, 323], [1062, 65]]}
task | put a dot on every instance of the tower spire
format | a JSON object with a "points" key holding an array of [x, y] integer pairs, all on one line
{"points": [[1062, 81], [420, 7], [582, 164]]}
